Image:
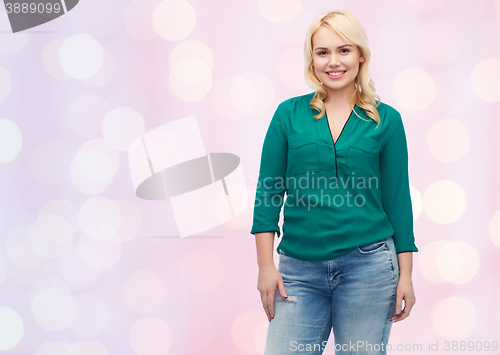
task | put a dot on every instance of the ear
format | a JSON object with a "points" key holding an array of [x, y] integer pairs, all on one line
{"points": [[361, 59]]}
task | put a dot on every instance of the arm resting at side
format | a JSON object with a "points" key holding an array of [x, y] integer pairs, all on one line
{"points": [[405, 287], [269, 276]]}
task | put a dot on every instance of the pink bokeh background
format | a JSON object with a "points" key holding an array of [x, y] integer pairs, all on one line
{"points": [[87, 267]]}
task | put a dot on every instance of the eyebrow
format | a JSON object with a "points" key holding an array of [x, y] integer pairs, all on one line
{"points": [[342, 46]]}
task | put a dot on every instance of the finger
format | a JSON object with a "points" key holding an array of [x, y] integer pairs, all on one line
{"points": [[409, 304], [270, 303], [264, 305], [399, 304], [402, 316], [281, 287]]}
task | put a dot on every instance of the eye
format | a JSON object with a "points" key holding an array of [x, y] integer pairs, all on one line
{"points": [[344, 50], [321, 53]]}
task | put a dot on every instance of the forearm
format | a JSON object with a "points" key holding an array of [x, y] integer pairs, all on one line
{"points": [[265, 244], [405, 261]]}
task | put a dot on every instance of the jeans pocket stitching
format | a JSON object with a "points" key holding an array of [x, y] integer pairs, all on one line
{"points": [[373, 251]]}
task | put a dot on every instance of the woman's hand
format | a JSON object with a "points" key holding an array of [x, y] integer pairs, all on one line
{"points": [[269, 279], [404, 292]]}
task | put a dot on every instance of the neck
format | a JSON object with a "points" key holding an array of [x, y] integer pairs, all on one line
{"points": [[340, 97]]}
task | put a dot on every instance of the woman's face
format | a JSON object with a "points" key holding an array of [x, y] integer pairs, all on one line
{"points": [[335, 62]]}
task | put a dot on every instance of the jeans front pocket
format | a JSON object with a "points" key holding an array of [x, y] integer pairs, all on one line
{"points": [[373, 247], [303, 154]]}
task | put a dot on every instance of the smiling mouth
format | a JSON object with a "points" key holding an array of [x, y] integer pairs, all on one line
{"points": [[338, 73]]}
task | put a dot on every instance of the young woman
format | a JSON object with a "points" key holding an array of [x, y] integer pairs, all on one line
{"points": [[340, 154]]}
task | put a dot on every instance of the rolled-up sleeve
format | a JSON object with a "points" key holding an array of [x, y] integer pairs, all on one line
{"points": [[271, 185], [395, 185]]}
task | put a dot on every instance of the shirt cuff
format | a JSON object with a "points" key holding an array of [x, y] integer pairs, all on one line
{"points": [[266, 228], [406, 247]]}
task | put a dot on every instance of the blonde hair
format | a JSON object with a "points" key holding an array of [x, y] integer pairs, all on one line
{"points": [[348, 27]]}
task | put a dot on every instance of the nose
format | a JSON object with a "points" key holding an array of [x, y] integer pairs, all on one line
{"points": [[334, 60]]}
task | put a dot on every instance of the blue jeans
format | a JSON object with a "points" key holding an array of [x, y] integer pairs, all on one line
{"points": [[353, 295]]}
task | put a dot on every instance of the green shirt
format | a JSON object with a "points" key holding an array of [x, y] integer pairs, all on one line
{"points": [[338, 196]]}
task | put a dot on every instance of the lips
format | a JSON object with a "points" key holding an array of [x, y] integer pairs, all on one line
{"points": [[336, 72]]}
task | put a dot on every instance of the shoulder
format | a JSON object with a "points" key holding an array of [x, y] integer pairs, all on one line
{"points": [[296, 101], [389, 116], [386, 110]]}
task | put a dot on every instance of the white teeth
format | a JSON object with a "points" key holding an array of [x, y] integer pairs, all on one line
{"points": [[335, 74]]}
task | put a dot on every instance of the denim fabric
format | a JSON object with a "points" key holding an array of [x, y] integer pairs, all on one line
{"points": [[353, 295]]}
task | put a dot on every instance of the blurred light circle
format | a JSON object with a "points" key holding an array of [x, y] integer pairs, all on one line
{"points": [[74, 270], [121, 126], [243, 94], [279, 11], [139, 19], [131, 218], [174, 19], [5, 82], [86, 113], [51, 61], [490, 48], [20, 251], [444, 202], [11, 328], [81, 56], [454, 318], [246, 331], [150, 336], [51, 236], [192, 49], [53, 348], [485, 78], [64, 209], [260, 334], [144, 291], [94, 166], [202, 270], [439, 42], [99, 254], [428, 261], [105, 72], [291, 33], [416, 202], [221, 98], [291, 68], [11, 140], [494, 228], [252, 93], [99, 218], [448, 140], [53, 308], [50, 163], [191, 79], [199, 324], [91, 315], [87, 347], [458, 262], [414, 89]]}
